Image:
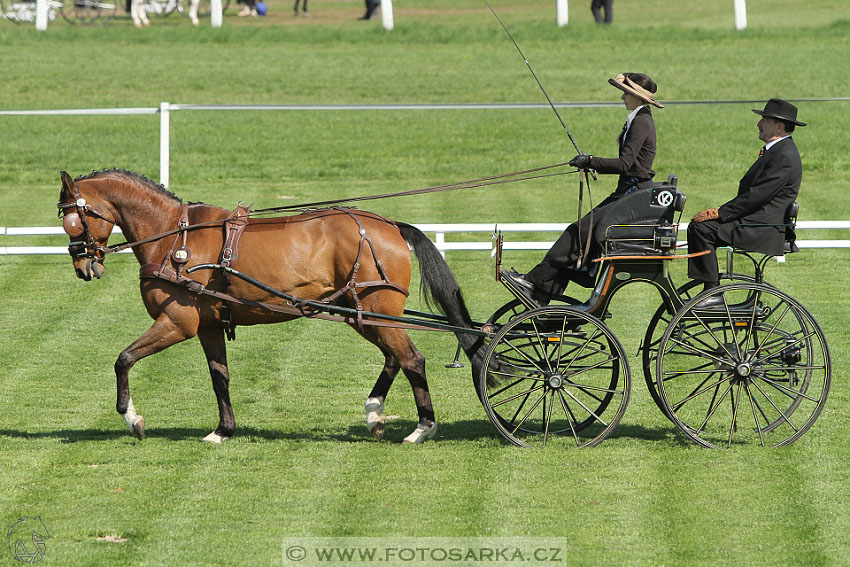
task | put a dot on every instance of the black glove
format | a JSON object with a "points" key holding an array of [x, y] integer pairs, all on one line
{"points": [[581, 161]]}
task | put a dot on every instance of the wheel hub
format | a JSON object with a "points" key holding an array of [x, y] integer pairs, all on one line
{"points": [[555, 381]]}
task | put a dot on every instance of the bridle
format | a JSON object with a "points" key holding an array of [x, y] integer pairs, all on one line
{"points": [[76, 225]]}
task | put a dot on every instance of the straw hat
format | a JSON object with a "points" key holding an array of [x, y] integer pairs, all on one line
{"points": [[625, 84]]}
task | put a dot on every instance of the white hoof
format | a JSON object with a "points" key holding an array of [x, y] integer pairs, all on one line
{"points": [[135, 423], [421, 434], [196, 22], [215, 438], [375, 416]]}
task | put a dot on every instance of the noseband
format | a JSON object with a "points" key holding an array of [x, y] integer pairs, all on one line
{"points": [[76, 225]]}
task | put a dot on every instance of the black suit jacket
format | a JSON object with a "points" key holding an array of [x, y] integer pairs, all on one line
{"points": [[764, 194]]}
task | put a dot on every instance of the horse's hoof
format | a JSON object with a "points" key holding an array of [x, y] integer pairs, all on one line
{"points": [[215, 438], [196, 22], [375, 416], [138, 429], [137, 24], [377, 431], [421, 434]]}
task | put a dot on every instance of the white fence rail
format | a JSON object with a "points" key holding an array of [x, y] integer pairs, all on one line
{"points": [[166, 108], [438, 230]]}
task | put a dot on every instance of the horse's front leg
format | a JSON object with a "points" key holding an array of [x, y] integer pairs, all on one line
{"points": [[139, 13], [161, 335], [193, 12], [215, 349]]}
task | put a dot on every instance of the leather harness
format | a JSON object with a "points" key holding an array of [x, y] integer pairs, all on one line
{"points": [[172, 267]]}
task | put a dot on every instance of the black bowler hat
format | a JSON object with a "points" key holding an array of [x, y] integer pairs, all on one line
{"points": [[780, 110]]}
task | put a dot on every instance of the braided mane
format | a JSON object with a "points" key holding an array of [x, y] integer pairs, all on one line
{"points": [[137, 176]]}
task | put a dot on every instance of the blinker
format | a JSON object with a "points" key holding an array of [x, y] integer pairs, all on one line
{"points": [[72, 224]]}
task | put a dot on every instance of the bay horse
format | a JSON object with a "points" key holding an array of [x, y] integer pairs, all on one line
{"points": [[314, 255]]}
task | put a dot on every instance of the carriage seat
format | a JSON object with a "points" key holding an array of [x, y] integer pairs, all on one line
{"points": [[641, 222], [789, 223]]}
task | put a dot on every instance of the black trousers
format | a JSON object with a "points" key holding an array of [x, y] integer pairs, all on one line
{"points": [[551, 276], [371, 6], [596, 6], [703, 236]]}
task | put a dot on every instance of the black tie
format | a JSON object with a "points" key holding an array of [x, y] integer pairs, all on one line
{"points": [[761, 151]]}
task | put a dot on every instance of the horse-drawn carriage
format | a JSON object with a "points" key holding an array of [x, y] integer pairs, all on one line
{"points": [[754, 370]]}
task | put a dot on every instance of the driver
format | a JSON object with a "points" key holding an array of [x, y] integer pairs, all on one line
{"points": [[636, 152]]}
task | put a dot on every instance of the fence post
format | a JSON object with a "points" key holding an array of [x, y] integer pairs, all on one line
{"points": [[215, 13], [41, 15], [562, 9], [387, 14], [740, 14], [164, 142]]}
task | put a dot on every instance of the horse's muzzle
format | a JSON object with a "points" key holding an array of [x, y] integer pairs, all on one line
{"points": [[87, 268]]}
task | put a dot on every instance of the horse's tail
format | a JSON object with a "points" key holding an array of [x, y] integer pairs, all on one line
{"points": [[439, 286]]}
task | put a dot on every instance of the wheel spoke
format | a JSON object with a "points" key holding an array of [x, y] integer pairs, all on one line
{"points": [[775, 407], [736, 403], [529, 412], [571, 419], [517, 396], [698, 392], [712, 410], [755, 415], [587, 409]]}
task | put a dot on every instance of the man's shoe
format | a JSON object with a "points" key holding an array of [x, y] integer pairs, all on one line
{"points": [[519, 284]]}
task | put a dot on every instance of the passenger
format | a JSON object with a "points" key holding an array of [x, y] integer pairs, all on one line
{"points": [[636, 152], [764, 194]]}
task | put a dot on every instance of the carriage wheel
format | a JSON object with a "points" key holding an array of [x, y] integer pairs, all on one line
{"points": [[659, 323], [756, 369], [506, 313], [555, 375], [80, 11]]}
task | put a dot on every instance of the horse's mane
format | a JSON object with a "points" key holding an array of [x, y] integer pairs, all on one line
{"points": [[137, 176]]}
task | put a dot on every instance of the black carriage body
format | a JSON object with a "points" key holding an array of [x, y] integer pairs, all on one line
{"points": [[642, 222]]}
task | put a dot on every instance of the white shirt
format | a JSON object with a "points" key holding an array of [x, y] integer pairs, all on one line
{"points": [[630, 118], [769, 145]]}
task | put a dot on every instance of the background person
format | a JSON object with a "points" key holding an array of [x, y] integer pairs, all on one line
{"points": [[597, 6], [764, 194], [636, 152], [371, 6]]}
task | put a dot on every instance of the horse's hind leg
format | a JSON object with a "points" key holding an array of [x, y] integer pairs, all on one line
{"points": [[161, 335], [374, 406], [215, 349], [397, 346]]}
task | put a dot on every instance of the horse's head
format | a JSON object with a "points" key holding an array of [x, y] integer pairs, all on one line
{"points": [[87, 226]]}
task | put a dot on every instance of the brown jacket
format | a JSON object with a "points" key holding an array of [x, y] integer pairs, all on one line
{"points": [[636, 154]]}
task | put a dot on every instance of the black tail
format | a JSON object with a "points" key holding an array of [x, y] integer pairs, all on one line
{"points": [[439, 286]]}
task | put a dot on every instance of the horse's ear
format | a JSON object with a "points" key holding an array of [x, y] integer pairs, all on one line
{"points": [[67, 182]]}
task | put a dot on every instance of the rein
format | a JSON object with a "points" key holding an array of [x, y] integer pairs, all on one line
{"points": [[472, 183], [94, 251]]}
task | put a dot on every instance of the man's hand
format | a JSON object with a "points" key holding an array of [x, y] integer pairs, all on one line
{"points": [[580, 161], [708, 214]]}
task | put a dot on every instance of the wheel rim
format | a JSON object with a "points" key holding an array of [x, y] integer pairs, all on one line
{"points": [[558, 376], [659, 323], [756, 369]]}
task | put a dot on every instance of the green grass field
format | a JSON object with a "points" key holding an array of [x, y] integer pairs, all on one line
{"points": [[302, 463]]}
